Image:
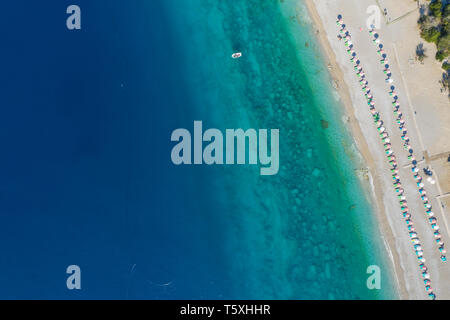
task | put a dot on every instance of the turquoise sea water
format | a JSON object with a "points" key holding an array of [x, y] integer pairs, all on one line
{"points": [[308, 232]]}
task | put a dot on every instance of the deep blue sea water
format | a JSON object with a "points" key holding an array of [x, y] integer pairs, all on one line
{"points": [[86, 176]]}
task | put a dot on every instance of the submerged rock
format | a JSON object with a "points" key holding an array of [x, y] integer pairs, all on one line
{"points": [[316, 172]]}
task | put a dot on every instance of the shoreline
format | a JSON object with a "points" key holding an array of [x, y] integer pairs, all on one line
{"points": [[362, 145]]}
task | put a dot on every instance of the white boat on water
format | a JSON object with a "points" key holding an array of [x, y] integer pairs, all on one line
{"points": [[236, 55]]}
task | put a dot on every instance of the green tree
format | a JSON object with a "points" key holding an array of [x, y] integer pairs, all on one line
{"points": [[446, 11], [435, 8], [431, 34], [440, 56], [446, 66]]}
